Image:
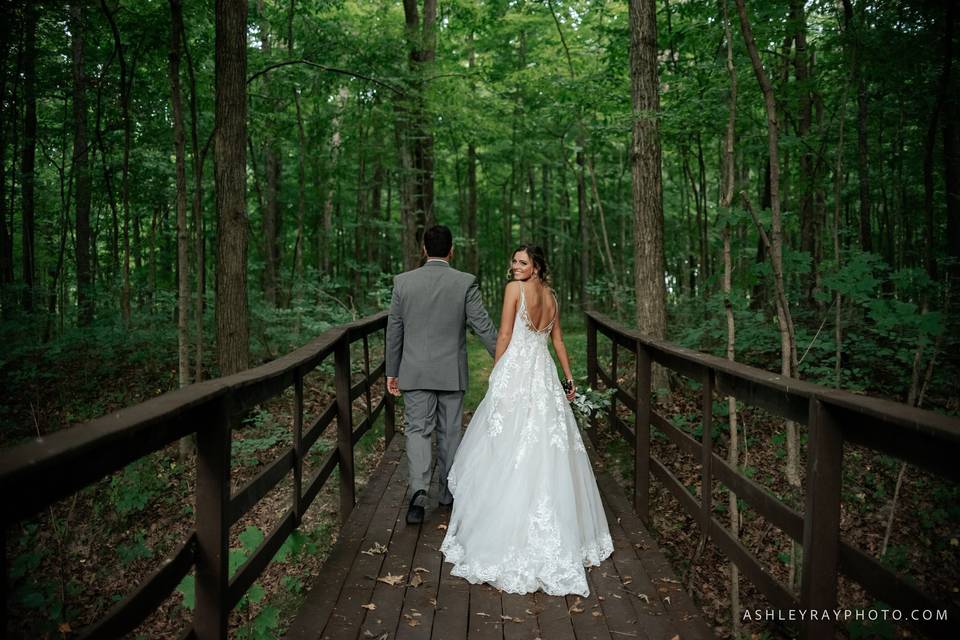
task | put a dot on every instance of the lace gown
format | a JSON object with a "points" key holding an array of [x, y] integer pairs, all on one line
{"points": [[527, 513]]}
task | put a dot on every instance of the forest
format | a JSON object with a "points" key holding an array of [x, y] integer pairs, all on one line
{"points": [[191, 188]]}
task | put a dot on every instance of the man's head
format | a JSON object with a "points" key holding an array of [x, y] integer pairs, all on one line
{"points": [[438, 242]]}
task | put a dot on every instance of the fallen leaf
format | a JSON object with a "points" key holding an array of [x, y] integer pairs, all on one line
{"points": [[597, 614], [627, 580], [575, 607], [666, 599], [376, 549], [676, 637], [618, 597], [481, 613], [512, 619], [644, 597], [393, 581], [413, 622], [369, 607], [416, 581], [601, 598], [64, 628], [433, 601], [421, 569], [442, 527]]}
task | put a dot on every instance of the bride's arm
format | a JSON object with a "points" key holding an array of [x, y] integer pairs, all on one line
{"points": [[556, 336], [511, 296]]}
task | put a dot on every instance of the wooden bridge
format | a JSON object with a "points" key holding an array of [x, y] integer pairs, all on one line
{"points": [[400, 588]]}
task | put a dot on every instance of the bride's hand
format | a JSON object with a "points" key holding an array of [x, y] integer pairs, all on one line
{"points": [[571, 390]]}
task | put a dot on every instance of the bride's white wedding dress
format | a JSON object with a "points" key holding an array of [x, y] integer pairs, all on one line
{"points": [[527, 513]]}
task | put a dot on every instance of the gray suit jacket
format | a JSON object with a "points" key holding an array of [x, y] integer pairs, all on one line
{"points": [[426, 330]]}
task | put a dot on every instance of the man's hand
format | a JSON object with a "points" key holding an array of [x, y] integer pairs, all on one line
{"points": [[393, 386]]}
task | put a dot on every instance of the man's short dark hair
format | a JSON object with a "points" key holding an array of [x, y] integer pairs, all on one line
{"points": [[438, 241]]}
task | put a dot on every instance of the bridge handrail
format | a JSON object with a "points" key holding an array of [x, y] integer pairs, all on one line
{"points": [[33, 475], [926, 439]]}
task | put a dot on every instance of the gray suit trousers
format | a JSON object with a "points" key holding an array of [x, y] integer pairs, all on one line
{"points": [[424, 412]]}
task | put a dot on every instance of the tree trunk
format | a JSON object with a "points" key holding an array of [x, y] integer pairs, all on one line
{"points": [[648, 272], [29, 157], [125, 86], [199, 236], [298, 278], [421, 48], [729, 170], [788, 350], [808, 227], [81, 173], [179, 145], [231, 164], [473, 249]]}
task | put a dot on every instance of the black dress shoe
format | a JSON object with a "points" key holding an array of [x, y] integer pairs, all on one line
{"points": [[447, 505], [416, 511]]}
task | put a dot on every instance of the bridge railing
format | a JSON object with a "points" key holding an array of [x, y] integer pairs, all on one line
{"points": [[36, 474], [922, 438]]}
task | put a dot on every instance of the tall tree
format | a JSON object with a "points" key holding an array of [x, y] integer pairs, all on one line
{"points": [[126, 82], [648, 270], [230, 179], [180, 153], [417, 136], [29, 159], [81, 171], [6, 231]]}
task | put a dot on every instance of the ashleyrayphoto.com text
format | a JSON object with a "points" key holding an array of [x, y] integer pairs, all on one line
{"points": [[844, 615]]}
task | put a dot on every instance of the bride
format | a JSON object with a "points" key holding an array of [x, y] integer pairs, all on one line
{"points": [[527, 514]]}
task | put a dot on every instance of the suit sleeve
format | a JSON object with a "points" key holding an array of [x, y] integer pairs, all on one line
{"points": [[394, 334], [479, 319]]}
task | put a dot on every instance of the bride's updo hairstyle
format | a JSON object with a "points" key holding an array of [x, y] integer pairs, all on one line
{"points": [[538, 257]]}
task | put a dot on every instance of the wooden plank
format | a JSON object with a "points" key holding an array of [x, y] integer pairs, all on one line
{"points": [[586, 626], [348, 612], [319, 425], [419, 603], [318, 478], [315, 611], [522, 622], [453, 607], [617, 611], [485, 611], [398, 561], [553, 617], [637, 555]]}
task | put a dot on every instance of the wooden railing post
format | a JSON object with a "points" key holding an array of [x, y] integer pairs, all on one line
{"points": [[298, 446], [706, 454], [641, 435], [213, 525], [612, 413], [390, 408], [341, 356], [821, 521]]}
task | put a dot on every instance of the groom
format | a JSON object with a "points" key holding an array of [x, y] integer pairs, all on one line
{"points": [[427, 359]]}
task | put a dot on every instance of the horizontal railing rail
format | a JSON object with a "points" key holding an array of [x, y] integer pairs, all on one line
{"points": [[36, 474], [922, 438]]}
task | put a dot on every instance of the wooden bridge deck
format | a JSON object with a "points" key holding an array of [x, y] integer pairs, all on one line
{"points": [[633, 594]]}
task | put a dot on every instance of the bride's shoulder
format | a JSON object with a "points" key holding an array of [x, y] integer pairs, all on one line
{"points": [[513, 287]]}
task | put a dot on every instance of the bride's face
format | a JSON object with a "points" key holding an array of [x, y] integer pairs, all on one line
{"points": [[522, 266]]}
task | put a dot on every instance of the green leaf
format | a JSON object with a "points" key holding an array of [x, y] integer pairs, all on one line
{"points": [[188, 588], [251, 538]]}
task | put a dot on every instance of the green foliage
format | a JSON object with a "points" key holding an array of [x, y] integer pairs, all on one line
{"points": [[135, 550], [133, 488]]}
